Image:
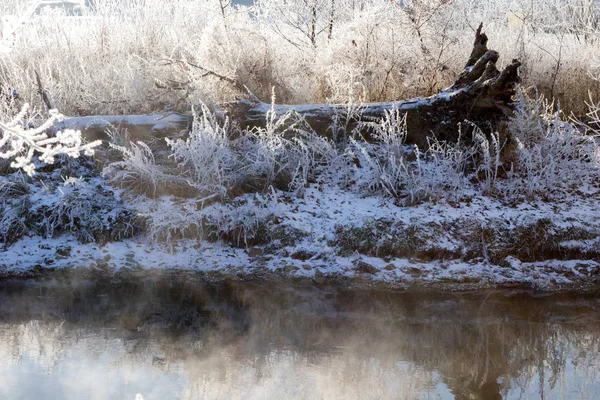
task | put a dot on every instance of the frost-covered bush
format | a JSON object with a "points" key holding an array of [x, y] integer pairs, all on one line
{"points": [[552, 157], [285, 153], [83, 207], [382, 165], [207, 156], [14, 205], [86, 210], [544, 156], [216, 158], [245, 221], [223, 163], [242, 221], [167, 219], [404, 172], [266, 150], [485, 153], [50, 204], [138, 171]]}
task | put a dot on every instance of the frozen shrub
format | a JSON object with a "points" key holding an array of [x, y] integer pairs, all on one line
{"points": [[485, 152], [440, 172], [405, 172], [14, 206], [242, 222], [12, 188], [265, 151], [137, 172], [383, 165], [286, 153], [529, 118], [167, 219], [206, 156], [13, 220], [245, 221], [81, 207], [217, 158], [553, 157], [86, 210]]}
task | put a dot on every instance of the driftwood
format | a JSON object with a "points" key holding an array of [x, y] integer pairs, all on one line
{"points": [[480, 93]]}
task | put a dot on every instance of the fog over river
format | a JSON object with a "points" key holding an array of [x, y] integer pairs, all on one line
{"points": [[74, 335]]}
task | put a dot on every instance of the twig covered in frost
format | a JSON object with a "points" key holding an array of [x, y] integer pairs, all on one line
{"points": [[23, 144]]}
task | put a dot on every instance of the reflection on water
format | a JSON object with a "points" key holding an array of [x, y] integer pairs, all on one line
{"points": [[175, 336]]}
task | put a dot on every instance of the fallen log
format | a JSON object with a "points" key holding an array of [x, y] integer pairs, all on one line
{"points": [[141, 127], [480, 93]]}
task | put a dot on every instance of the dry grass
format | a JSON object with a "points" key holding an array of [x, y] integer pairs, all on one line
{"points": [[142, 56]]}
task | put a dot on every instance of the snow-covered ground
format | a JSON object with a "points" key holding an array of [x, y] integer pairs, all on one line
{"points": [[439, 251]]}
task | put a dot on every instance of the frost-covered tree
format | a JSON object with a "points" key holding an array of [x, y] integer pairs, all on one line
{"points": [[298, 21]]}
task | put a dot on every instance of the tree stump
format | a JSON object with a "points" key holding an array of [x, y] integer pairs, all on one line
{"points": [[480, 93]]}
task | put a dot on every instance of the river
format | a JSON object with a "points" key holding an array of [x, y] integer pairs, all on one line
{"points": [[92, 335]]}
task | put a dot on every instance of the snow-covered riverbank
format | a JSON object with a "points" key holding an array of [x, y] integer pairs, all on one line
{"points": [[334, 234], [517, 209]]}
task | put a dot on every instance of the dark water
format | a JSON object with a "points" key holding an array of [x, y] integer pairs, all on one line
{"points": [[172, 336]]}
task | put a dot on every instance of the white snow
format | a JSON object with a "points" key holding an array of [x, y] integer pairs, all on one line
{"points": [[318, 214]]}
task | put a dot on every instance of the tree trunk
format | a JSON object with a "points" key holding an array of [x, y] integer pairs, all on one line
{"points": [[480, 93]]}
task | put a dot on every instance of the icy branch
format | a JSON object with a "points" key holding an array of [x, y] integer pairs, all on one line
{"points": [[22, 144]]}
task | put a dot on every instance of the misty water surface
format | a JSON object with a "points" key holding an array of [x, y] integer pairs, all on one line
{"points": [[170, 336]]}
